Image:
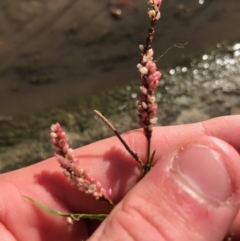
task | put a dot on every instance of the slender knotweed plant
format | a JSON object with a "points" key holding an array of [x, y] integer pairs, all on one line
{"points": [[146, 111]]}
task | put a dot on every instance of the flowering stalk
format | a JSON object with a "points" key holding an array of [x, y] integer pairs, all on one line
{"points": [[70, 163], [110, 125], [149, 80]]}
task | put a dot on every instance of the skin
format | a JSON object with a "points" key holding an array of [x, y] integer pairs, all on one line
{"points": [[141, 214]]}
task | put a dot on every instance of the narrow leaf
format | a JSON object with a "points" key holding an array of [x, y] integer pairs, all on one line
{"points": [[73, 216]]}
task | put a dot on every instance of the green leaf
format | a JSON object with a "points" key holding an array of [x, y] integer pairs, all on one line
{"points": [[73, 216]]}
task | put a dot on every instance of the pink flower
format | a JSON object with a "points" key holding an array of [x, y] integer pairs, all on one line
{"points": [[156, 2], [78, 176], [149, 79]]}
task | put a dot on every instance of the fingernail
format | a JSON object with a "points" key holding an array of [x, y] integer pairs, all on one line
{"points": [[202, 171]]}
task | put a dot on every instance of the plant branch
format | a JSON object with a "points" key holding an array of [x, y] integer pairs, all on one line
{"points": [[70, 216], [110, 125]]}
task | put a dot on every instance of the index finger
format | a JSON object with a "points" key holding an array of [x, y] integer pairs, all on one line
{"points": [[108, 162]]}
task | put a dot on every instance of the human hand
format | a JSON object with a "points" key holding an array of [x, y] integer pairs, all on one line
{"points": [[165, 205]]}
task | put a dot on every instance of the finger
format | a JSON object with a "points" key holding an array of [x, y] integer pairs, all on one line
{"points": [[108, 162], [192, 193], [20, 220]]}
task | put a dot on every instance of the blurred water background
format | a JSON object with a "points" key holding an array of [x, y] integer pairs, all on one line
{"points": [[60, 61]]}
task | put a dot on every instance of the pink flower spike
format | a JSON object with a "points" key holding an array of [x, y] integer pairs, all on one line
{"points": [[149, 77], [67, 160]]}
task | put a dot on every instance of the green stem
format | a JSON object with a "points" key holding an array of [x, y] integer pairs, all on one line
{"points": [[114, 130], [148, 157], [73, 216], [109, 201]]}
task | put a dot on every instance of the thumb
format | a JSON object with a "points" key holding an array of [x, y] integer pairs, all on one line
{"points": [[190, 194]]}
